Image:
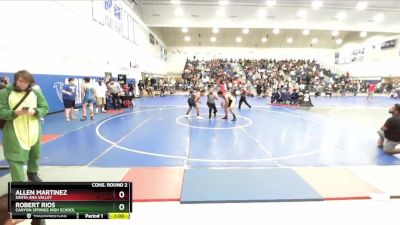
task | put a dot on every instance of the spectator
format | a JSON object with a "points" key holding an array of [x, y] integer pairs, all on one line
{"points": [[114, 88], [141, 88], [3, 82], [294, 97], [69, 96], [22, 107], [389, 134], [371, 91], [285, 97], [101, 93], [153, 83], [276, 96]]}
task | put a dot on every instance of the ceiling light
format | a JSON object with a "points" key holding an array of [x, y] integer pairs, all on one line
{"points": [[314, 41], [264, 39], [223, 2], [185, 29], [238, 39], [306, 32], [215, 30], [271, 3], [179, 11], [341, 16], [213, 39], [363, 34], [175, 2], [275, 31], [335, 33], [302, 14], [289, 40], [379, 17], [221, 12], [361, 6], [262, 13], [316, 4], [339, 41], [246, 31], [187, 38]]}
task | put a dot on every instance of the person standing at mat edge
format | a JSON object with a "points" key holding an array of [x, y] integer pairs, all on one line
{"points": [[101, 93], [371, 91], [114, 88], [88, 98], [68, 96], [389, 134], [194, 101]]}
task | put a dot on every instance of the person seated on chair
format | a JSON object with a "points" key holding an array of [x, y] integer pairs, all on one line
{"points": [[329, 90], [286, 96], [389, 134], [276, 96], [279, 95], [294, 97]]}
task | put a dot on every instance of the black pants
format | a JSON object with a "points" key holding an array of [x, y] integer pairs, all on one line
{"points": [[116, 101], [211, 107], [243, 99]]}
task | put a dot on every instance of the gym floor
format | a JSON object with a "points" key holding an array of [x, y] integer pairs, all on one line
{"points": [[327, 152]]}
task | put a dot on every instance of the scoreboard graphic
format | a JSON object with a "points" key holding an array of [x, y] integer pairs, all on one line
{"points": [[75, 200]]}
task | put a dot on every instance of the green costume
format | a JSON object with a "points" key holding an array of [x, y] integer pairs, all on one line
{"points": [[22, 134]]}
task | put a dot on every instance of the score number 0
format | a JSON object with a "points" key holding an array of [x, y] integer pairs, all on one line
{"points": [[121, 195]]}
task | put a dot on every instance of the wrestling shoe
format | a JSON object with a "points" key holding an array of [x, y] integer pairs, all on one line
{"points": [[34, 177]]}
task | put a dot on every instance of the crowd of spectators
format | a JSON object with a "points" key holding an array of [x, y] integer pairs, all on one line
{"points": [[271, 77]]}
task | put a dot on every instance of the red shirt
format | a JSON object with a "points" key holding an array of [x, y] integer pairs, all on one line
{"points": [[371, 87], [222, 88]]}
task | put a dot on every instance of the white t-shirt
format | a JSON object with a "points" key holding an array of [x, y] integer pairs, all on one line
{"points": [[101, 90]]}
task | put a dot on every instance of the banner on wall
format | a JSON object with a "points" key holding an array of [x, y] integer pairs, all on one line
{"points": [[350, 56], [113, 16]]}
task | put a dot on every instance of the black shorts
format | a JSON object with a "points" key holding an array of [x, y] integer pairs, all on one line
{"points": [[69, 103], [229, 102], [191, 102]]}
